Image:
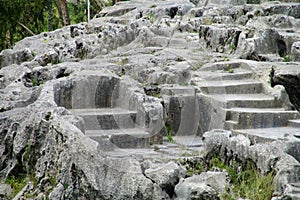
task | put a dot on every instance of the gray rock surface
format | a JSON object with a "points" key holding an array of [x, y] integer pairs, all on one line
{"points": [[195, 188], [81, 107], [274, 156]]}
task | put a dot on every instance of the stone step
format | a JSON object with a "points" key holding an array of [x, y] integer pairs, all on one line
{"points": [[247, 86], [189, 141], [106, 118], [223, 65], [248, 118], [223, 74], [294, 123], [246, 100], [230, 124], [122, 138], [178, 90], [263, 135]]}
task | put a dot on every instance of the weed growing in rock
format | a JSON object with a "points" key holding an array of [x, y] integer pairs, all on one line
{"points": [[151, 17], [228, 69], [17, 183], [156, 148], [52, 181], [193, 165], [246, 181], [169, 135], [196, 66], [286, 58], [233, 47], [207, 21]]}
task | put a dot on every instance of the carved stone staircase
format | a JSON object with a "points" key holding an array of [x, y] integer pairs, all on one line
{"points": [[245, 107], [114, 125]]}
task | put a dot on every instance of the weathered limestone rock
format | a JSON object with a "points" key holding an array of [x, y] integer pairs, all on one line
{"points": [[290, 79], [5, 191], [165, 175], [8, 57], [193, 188], [219, 38], [275, 156], [70, 98], [295, 52]]}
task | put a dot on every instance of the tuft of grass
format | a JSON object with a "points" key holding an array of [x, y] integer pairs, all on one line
{"points": [[169, 134], [286, 58], [34, 82], [233, 47], [228, 69], [16, 183], [151, 17], [246, 181], [52, 180], [193, 166], [207, 21], [196, 66]]}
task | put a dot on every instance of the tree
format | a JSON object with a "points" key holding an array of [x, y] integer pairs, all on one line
{"points": [[63, 10]]}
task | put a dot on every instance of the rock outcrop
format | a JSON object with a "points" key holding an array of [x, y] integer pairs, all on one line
{"points": [[103, 110]]}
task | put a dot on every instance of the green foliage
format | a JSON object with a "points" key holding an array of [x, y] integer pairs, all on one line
{"points": [[21, 18], [52, 181], [151, 17], [246, 181], [156, 148], [207, 21], [169, 134], [17, 183], [233, 47], [196, 66], [286, 58], [228, 69], [34, 82]]}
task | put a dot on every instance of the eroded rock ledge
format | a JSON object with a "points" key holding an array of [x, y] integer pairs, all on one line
{"points": [[164, 69]]}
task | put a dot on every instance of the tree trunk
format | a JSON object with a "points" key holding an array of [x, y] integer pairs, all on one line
{"points": [[63, 10]]}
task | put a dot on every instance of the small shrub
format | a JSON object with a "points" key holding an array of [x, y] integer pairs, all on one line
{"points": [[286, 58], [233, 47], [169, 135]]}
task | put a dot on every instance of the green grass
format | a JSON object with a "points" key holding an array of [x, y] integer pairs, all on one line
{"points": [[16, 183], [228, 69], [169, 135], [233, 47], [151, 17], [286, 58], [245, 181]]}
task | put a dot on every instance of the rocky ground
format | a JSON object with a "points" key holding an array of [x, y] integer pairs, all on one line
{"points": [[118, 108]]}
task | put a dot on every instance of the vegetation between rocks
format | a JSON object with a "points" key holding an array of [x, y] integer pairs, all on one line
{"points": [[245, 181]]}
